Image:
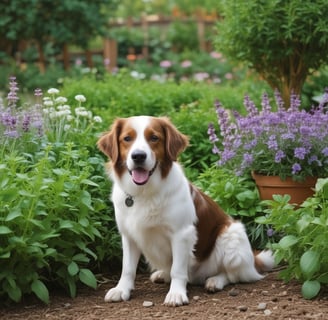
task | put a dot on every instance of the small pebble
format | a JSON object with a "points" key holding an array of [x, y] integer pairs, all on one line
{"points": [[267, 312], [261, 306], [233, 292], [284, 293], [242, 308], [265, 293], [196, 298], [147, 304]]}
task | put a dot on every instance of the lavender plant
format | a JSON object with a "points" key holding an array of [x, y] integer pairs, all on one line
{"points": [[20, 128], [285, 142]]}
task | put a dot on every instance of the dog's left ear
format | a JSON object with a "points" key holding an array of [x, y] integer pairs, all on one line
{"points": [[175, 141]]}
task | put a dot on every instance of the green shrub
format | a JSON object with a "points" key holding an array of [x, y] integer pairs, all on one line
{"points": [[55, 221], [303, 242], [238, 197]]}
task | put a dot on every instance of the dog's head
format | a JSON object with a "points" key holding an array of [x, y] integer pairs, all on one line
{"points": [[141, 145]]}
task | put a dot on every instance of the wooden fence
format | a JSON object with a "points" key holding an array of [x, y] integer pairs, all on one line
{"points": [[109, 50]]}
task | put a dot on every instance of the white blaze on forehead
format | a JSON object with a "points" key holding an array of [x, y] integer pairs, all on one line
{"points": [[139, 123], [140, 173]]}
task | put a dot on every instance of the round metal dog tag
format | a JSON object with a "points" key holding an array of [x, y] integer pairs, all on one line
{"points": [[129, 201]]}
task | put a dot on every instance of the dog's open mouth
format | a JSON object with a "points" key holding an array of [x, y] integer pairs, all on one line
{"points": [[141, 176]]}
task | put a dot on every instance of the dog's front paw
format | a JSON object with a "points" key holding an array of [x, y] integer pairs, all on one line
{"points": [[216, 283], [176, 299], [117, 294], [160, 276]]}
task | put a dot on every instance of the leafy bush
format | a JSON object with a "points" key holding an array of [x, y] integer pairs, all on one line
{"points": [[238, 197], [303, 243], [54, 219]]}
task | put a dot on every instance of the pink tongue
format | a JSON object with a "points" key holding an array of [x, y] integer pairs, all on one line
{"points": [[140, 176]]}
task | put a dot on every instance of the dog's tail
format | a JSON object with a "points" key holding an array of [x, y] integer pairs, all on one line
{"points": [[264, 261]]}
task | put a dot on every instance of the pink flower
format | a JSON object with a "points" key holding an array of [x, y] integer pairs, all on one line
{"points": [[216, 55], [165, 64], [186, 64]]}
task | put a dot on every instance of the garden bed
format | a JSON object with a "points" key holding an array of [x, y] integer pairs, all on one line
{"points": [[270, 299]]}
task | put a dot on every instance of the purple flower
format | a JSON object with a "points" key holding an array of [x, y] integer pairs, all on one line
{"points": [[12, 134], [279, 156], [279, 100], [250, 106], [272, 142], [296, 168], [270, 232], [12, 95], [265, 103], [247, 159], [286, 142], [38, 92], [211, 132], [300, 153], [325, 151]]}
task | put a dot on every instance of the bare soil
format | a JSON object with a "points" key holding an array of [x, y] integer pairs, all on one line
{"points": [[269, 298]]}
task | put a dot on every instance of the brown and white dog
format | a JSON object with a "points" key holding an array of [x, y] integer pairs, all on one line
{"points": [[182, 233]]}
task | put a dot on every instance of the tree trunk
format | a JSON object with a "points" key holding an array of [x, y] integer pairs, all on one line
{"points": [[42, 59]]}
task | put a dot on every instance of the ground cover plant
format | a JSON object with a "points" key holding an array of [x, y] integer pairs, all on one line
{"points": [[302, 238]]}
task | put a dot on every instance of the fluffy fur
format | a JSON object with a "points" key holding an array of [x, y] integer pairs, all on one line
{"points": [[182, 233]]}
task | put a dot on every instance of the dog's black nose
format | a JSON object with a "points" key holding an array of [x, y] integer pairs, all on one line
{"points": [[139, 156]]}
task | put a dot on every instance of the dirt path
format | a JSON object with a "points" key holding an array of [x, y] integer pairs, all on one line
{"points": [[267, 299]]}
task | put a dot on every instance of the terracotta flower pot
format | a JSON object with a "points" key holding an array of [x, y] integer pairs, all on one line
{"points": [[298, 191]]}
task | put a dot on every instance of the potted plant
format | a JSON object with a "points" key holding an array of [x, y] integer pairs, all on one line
{"points": [[288, 144]]}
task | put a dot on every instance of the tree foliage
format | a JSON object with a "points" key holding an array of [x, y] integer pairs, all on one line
{"points": [[282, 40], [56, 21]]}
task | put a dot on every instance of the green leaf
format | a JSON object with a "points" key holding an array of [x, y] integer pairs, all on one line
{"points": [[88, 278], [27, 194], [89, 183], [40, 290], [81, 257], [71, 286], [13, 214], [13, 291], [310, 263], [288, 241], [310, 289], [4, 230], [245, 195], [229, 187], [5, 255], [66, 224], [73, 268]]}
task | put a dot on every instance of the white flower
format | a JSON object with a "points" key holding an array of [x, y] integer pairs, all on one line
{"points": [[48, 103], [97, 119], [53, 91], [61, 100], [82, 112], [80, 98], [67, 127]]}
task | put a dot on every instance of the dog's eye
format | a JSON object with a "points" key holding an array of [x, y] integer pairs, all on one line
{"points": [[127, 138], [154, 138]]}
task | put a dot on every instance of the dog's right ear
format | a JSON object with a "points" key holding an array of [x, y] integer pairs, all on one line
{"points": [[108, 142]]}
